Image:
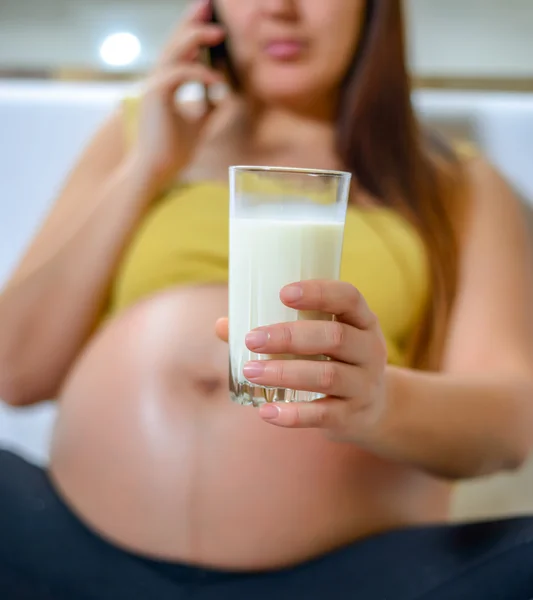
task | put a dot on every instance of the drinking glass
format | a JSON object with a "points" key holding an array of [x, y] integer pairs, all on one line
{"points": [[286, 226]]}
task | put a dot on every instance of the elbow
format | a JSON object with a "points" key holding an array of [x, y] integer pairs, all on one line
{"points": [[17, 396], [14, 393], [517, 457], [26, 377], [10, 390], [13, 385], [520, 430], [520, 454], [16, 390]]}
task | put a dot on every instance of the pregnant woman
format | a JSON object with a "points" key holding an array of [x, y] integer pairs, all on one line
{"points": [[160, 487]]}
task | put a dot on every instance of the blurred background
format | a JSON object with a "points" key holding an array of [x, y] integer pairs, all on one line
{"points": [[474, 39], [64, 65]]}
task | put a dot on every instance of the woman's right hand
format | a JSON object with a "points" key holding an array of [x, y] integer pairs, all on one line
{"points": [[167, 135]]}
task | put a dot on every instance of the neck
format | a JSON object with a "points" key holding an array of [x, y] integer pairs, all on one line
{"points": [[287, 125]]}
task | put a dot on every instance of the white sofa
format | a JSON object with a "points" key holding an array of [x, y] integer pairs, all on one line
{"points": [[44, 126]]}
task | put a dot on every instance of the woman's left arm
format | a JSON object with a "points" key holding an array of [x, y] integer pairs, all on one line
{"points": [[475, 416]]}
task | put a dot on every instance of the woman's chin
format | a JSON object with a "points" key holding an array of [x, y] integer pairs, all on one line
{"points": [[297, 98], [285, 86]]}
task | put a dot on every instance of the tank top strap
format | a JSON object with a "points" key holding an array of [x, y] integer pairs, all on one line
{"points": [[465, 150]]}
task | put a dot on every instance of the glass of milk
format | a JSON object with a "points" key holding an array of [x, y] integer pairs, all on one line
{"points": [[286, 225]]}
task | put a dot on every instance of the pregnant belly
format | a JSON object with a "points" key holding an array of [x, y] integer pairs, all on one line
{"points": [[150, 452]]}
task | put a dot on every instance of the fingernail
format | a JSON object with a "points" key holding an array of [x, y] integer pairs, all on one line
{"points": [[269, 412], [253, 370], [292, 293], [257, 339]]}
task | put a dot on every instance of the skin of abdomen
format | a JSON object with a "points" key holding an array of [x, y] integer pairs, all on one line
{"points": [[149, 451]]}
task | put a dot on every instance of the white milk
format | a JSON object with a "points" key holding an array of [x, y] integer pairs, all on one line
{"points": [[265, 255]]}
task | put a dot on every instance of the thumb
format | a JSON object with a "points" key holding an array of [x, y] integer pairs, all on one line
{"points": [[221, 329]]}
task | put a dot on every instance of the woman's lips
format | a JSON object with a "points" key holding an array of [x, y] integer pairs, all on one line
{"points": [[284, 49]]}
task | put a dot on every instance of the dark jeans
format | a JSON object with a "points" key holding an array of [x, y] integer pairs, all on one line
{"points": [[46, 553]]}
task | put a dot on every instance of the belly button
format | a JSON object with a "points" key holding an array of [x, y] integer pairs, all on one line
{"points": [[208, 386]]}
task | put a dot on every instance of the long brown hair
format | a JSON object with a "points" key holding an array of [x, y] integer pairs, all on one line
{"points": [[399, 164]]}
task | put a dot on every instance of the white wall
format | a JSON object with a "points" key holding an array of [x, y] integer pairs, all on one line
{"points": [[471, 37], [449, 37], [59, 33], [43, 128]]}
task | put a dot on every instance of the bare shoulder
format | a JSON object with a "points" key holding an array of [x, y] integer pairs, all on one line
{"points": [[491, 196], [497, 222], [495, 286], [483, 175]]}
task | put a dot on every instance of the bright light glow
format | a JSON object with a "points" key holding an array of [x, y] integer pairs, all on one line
{"points": [[120, 49]]}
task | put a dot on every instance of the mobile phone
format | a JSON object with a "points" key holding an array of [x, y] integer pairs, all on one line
{"points": [[218, 56]]}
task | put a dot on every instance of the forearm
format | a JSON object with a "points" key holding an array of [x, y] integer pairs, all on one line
{"points": [[50, 305], [457, 426], [87, 257]]}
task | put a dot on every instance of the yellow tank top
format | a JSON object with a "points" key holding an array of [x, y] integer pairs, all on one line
{"points": [[183, 240]]}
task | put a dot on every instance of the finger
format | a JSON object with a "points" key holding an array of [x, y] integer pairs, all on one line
{"points": [[329, 413], [323, 376], [186, 46], [167, 82], [332, 297], [199, 12], [310, 338], [221, 329]]}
